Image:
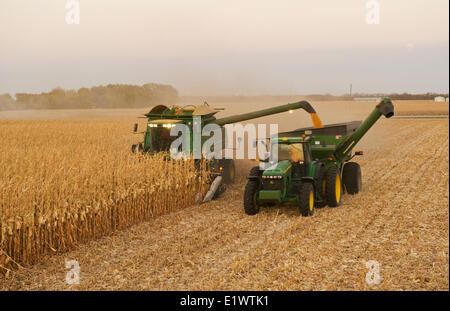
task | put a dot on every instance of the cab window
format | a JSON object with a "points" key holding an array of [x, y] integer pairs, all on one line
{"points": [[292, 152]]}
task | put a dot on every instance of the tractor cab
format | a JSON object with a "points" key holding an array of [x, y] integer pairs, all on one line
{"points": [[292, 152]]}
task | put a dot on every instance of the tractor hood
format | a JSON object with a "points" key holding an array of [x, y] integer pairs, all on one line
{"points": [[279, 168]]}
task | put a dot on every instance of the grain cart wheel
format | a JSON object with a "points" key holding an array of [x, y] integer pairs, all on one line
{"points": [[251, 191], [228, 171], [333, 187], [306, 199], [351, 176]]}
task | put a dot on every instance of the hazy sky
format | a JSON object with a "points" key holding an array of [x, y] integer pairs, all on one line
{"points": [[209, 47]]}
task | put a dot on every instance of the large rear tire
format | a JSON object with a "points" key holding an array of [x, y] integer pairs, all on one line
{"points": [[251, 191], [351, 176], [333, 187], [306, 199]]}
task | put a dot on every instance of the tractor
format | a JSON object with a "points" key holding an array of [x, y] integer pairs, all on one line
{"points": [[313, 166]]}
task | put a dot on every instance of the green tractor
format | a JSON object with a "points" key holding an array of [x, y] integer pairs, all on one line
{"points": [[313, 167]]}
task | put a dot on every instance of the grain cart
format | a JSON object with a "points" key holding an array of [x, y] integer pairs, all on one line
{"points": [[313, 167], [161, 119]]}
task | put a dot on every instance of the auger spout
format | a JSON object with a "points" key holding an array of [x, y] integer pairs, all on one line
{"points": [[385, 107]]}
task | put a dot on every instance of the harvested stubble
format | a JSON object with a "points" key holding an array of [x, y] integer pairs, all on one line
{"points": [[65, 182]]}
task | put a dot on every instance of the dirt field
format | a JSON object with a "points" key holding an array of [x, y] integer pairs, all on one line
{"points": [[400, 219]]}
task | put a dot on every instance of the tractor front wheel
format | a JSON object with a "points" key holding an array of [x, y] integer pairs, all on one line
{"points": [[306, 199], [333, 187], [351, 176], [251, 191]]}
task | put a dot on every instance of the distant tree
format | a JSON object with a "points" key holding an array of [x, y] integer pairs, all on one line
{"points": [[6, 102]]}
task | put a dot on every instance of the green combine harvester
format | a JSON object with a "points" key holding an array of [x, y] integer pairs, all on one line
{"points": [[162, 118], [313, 167]]}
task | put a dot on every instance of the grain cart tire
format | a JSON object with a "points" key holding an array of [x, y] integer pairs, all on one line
{"points": [[333, 187], [351, 176], [306, 199], [251, 191], [228, 171]]}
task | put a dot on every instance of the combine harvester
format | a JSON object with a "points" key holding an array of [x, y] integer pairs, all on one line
{"points": [[313, 166], [162, 118]]}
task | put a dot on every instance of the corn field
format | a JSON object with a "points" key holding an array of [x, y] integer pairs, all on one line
{"points": [[66, 182]]}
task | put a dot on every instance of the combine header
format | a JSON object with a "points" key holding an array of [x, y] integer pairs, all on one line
{"points": [[313, 166]]}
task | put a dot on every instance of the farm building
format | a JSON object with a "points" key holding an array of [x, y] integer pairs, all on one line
{"points": [[439, 99]]}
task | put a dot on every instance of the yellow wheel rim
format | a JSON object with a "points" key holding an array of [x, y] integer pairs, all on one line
{"points": [[338, 188], [311, 201], [254, 199]]}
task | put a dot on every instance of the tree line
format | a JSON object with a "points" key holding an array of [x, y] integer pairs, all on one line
{"points": [[109, 96]]}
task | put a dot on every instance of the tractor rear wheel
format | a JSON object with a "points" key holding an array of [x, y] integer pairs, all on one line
{"points": [[333, 187], [351, 176], [306, 199], [228, 171], [251, 191]]}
